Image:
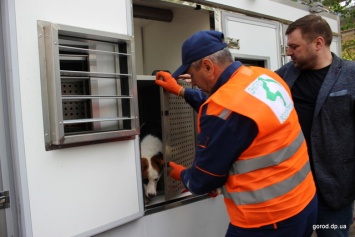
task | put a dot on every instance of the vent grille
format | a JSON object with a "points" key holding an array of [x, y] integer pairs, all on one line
{"points": [[76, 109], [181, 143]]}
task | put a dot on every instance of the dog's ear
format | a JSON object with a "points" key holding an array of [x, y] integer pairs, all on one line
{"points": [[144, 164], [158, 160], [161, 160], [161, 163]]}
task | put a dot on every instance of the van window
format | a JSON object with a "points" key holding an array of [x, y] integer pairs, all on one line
{"points": [[88, 86]]}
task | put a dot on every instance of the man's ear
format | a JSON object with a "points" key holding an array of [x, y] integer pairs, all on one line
{"points": [[208, 66], [319, 43]]}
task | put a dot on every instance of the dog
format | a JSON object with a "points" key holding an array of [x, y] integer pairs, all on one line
{"points": [[152, 161]]}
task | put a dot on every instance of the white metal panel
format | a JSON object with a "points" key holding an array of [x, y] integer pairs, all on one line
{"points": [[205, 218], [335, 46], [83, 189], [75, 191], [162, 41], [257, 38], [285, 11], [8, 216], [8, 27]]}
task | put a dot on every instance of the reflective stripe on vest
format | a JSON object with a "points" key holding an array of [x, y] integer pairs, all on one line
{"points": [[270, 192], [245, 166], [224, 114]]}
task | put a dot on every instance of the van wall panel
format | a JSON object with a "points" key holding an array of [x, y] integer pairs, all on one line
{"points": [[284, 11], [73, 190]]}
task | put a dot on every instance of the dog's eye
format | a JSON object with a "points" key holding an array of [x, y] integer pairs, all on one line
{"points": [[145, 181], [156, 180]]}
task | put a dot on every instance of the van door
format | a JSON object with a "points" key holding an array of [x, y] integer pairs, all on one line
{"points": [[179, 138], [76, 191], [253, 41]]}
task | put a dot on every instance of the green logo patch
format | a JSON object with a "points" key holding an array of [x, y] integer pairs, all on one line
{"points": [[273, 94]]}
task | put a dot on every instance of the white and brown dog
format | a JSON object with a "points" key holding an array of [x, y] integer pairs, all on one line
{"points": [[152, 161]]}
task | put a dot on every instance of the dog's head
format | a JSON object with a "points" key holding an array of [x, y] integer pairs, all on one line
{"points": [[152, 169]]}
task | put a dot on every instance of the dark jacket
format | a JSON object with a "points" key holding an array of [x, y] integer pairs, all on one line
{"points": [[332, 137]]}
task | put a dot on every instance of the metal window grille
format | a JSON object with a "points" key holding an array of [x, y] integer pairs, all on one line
{"points": [[88, 85]]}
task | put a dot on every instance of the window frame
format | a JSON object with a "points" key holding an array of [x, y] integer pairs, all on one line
{"points": [[49, 36]]}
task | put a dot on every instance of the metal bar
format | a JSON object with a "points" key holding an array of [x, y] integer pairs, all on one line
{"points": [[72, 57], [69, 97], [72, 121], [92, 50], [93, 74], [74, 78], [118, 86]]}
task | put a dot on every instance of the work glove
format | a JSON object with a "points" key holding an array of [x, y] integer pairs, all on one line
{"points": [[176, 170], [168, 83], [214, 193]]}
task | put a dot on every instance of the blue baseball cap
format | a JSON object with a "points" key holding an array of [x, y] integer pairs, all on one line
{"points": [[198, 46]]}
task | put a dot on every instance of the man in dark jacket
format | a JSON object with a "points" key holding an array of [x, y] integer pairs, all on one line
{"points": [[323, 90]]}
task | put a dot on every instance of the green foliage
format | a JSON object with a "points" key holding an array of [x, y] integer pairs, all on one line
{"points": [[346, 11], [348, 49]]}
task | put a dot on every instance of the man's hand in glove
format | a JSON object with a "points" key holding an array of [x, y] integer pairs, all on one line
{"points": [[165, 80], [176, 170]]}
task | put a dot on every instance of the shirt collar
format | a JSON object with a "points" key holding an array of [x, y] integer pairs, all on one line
{"points": [[226, 74]]}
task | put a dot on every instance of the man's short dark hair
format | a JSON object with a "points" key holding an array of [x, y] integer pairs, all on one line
{"points": [[312, 26]]}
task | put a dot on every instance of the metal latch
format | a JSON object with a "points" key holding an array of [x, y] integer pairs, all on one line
{"points": [[4, 199], [284, 50], [232, 43]]}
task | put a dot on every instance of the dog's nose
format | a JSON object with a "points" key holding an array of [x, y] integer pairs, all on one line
{"points": [[151, 195]]}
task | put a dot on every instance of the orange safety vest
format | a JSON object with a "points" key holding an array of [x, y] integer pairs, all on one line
{"points": [[271, 180]]}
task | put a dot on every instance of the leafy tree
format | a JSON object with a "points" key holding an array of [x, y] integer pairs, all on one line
{"points": [[345, 10], [348, 49]]}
